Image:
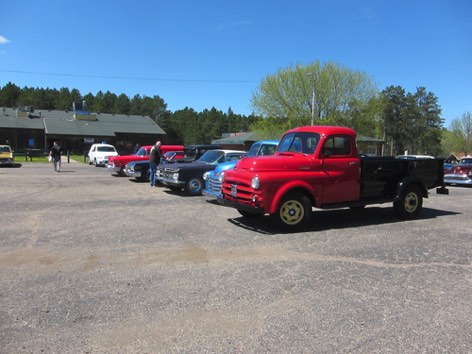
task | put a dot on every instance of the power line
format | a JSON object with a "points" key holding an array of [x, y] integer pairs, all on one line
{"points": [[125, 77]]}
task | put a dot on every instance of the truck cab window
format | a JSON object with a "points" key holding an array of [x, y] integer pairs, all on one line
{"points": [[338, 145]]}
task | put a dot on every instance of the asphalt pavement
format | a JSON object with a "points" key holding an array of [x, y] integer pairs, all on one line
{"points": [[95, 263]]}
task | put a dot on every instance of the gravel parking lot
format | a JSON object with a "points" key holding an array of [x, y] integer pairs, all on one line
{"points": [[93, 263]]}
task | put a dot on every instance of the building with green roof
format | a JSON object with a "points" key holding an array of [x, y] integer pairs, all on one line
{"points": [[26, 128]]}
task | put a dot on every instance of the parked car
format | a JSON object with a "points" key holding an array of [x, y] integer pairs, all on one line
{"points": [[117, 164], [99, 153], [140, 169], [460, 174], [6, 155], [172, 156], [214, 178], [189, 176], [194, 152]]}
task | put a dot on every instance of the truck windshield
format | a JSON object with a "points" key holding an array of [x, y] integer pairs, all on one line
{"points": [[304, 143]]}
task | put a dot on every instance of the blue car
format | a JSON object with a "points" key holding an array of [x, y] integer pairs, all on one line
{"points": [[214, 178]]}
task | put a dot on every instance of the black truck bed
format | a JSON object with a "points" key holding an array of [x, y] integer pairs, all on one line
{"points": [[380, 175]]}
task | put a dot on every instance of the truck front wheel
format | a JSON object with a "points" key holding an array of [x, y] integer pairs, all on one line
{"points": [[410, 203], [194, 186], [294, 211]]}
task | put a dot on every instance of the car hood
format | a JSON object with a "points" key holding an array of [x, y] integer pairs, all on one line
{"points": [[287, 161], [225, 166], [134, 163], [187, 166]]}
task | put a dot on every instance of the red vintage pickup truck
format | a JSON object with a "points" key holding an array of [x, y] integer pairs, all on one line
{"points": [[117, 164], [319, 166]]}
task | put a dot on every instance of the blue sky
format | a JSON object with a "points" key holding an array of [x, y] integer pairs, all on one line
{"points": [[214, 53]]}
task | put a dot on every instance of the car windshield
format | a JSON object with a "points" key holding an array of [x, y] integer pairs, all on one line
{"points": [[466, 161], [141, 152], [212, 157], [253, 150], [106, 149], [4, 149], [301, 142]]}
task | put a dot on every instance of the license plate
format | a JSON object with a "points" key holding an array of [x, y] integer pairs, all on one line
{"points": [[234, 190]]}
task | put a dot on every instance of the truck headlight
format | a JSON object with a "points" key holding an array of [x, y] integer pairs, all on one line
{"points": [[175, 177], [255, 182], [221, 178], [206, 175]]}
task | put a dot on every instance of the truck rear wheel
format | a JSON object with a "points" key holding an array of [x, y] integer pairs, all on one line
{"points": [[294, 211], [410, 203]]}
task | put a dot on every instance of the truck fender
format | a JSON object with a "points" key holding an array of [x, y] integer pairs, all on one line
{"points": [[404, 183], [290, 186]]}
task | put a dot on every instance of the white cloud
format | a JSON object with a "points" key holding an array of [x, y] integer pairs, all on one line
{"points": [[3, 40]]}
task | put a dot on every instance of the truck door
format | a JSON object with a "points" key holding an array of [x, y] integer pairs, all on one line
{"points": [[341, 170]]}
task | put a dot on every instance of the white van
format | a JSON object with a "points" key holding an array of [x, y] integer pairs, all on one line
{"points": [[99, 153]]}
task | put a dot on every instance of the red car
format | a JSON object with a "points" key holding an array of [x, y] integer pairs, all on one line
{"points": [[117, 164], [460, 174]]}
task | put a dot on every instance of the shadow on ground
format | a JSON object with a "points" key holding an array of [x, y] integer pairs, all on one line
{"points": [[336, 219]]}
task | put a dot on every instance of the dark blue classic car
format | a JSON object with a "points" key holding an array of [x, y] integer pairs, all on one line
{"points": [[189, 176]]}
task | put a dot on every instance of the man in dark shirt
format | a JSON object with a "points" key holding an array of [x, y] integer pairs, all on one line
{"points": [[55, 153], [154, 159]]}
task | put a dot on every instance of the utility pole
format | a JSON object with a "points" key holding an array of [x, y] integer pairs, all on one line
{"points": [[313, 102]]}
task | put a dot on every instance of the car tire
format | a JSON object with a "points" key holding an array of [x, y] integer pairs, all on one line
{"points": [[294, 211], [194, 186], [95, 162], [410, 203]]}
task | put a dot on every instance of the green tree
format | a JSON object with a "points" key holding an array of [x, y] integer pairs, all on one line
{"points": [[424, 122], [122, 104], [65, 98], [411, 121], [136, 103], [89, 99], [289, 93], [185, 123], [108, 102], [10, 95], [461, 130], [393, 101]]}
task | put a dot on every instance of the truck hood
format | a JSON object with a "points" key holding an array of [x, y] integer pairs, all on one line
{"points": [[281, 161]]}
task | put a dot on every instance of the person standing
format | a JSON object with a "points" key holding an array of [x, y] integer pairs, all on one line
{"points": [[55, 153], [154, 160]]}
